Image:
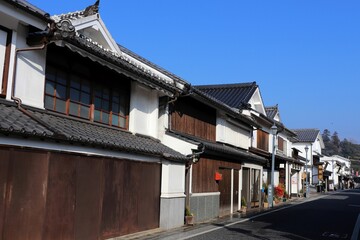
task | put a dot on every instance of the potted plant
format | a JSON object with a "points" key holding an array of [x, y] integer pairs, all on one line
{"points": [[266, 203], [189, 217], [286, 196], [243, 204]]}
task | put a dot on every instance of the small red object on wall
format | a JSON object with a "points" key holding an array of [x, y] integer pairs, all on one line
{"points": [[218, 176]]}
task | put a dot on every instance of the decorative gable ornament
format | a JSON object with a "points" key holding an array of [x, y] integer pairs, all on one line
{"points": [[65, 29]]}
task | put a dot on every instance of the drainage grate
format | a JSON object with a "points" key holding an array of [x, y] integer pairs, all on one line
{"points": [[332, 235]]}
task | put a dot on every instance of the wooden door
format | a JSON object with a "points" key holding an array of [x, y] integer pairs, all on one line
{"points": [[225, 192]]}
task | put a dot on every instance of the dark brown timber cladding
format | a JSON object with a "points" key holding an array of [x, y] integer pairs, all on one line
{"points": [[25, 195], [61, 193], [262, 140], [46, 195], [225, 191], [203, 174], [4, 165], [194, 118]]}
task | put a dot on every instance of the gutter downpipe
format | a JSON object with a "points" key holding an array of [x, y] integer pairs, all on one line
{"points": [[17, 100]]}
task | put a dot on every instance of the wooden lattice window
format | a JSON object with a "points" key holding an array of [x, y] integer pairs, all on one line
{"points": [[56, 90], [81, 96]]}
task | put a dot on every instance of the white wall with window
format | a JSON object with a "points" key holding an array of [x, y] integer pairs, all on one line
{"points": [[232, 132]]}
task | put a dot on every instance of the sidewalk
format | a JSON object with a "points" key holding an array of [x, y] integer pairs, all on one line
{"points": [[188, 231]]}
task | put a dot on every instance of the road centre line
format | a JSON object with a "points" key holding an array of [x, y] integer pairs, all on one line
{"points": [[356, 231], [251, 218]]}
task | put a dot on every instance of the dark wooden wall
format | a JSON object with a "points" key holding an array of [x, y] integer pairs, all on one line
{"points": [[194, 118], [203, 174], [262, 140], [46, 195]]}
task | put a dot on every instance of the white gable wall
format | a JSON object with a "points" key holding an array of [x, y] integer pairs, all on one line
{"points": [[256, 102], [94, 28]]}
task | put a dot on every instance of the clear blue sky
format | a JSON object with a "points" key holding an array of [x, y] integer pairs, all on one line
{"points": [[304, 54]]}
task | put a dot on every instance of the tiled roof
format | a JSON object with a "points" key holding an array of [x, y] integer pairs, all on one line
{"points": [[125, 56], [28, 7], [60, 127], [149, 63], [224, 150], [271, 111], [214, 102], [233, 95], [122, 63], [306, 135]]}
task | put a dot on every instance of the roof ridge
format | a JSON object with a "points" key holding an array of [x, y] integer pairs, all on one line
{"points": [[148, 62], [227, 85], [304, 129]]}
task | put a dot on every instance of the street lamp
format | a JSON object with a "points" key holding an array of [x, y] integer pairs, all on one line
{"points": [[271, 190], [306, 181]]}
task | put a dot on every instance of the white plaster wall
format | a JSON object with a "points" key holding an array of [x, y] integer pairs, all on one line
{"points": [[10, 16], [31, 65], [173, 180], [30, 72], [287, 144], [233, 134], [301, 147], [179, 145], [254, 139], [144, 110], [295, 179], [256, 102]]}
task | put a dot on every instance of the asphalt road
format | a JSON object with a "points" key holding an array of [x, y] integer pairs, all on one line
{"points": [[335, 216]]}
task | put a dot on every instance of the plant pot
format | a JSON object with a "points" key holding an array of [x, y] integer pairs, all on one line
{"points": [[189, 220], [266, 205], [243, 209]]}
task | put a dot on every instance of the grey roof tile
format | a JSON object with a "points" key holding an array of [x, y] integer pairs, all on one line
{"points": [[225, 150], [13, 120], [306, 135], [233, 95], [28, 7], [271, 111], [61, 127]]}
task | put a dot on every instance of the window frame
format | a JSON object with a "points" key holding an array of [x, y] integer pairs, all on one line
{"points": [[70, 74], [5, 69]]}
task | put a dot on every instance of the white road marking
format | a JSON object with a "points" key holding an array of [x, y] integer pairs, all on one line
{"points": [[356, 231], [353, 205], [251, 218]]}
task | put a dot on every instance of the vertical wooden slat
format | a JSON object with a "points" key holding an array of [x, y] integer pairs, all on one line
{"points": [[26, 196], [148, 213], [131, 201], [225, 192], [60, 206], [4, 168], [194, 118], [132, 174], [88, 198], [112, 198]]}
